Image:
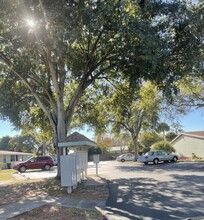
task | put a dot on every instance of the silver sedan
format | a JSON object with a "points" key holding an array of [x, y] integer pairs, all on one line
{"points": [[157, 156]]}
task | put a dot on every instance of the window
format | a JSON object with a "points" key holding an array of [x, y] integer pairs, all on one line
{"points": [[164, 153], [33, 159], [41, 158], [16, 157], [12, 158], [159, 153], [4, 159], [150, 153]]}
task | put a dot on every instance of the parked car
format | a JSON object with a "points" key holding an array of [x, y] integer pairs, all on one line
{"points": [[157, 156], [42, 162], [125, 157]]}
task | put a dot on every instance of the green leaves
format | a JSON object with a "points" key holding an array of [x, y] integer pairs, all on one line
{"points": [[53, 51]]}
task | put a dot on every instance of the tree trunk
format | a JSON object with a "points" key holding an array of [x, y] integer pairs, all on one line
{"points": [[135, 144], [60, 136], [136, 147], [64, 118]]}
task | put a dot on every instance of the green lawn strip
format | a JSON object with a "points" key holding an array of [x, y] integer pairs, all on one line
{"points": [[6, 175], [191, 160]]}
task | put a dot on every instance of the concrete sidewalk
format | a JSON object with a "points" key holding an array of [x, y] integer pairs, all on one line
{"points": [[14, 209]]}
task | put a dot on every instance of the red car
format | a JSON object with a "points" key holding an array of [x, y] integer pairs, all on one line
{"points": [[42, 162]]}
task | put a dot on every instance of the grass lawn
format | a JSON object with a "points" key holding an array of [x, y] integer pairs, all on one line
{"points": [[191, 160], [6, 175]]}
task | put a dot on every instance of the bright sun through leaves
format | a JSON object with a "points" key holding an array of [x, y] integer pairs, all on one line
{"points": [[30, 22]]}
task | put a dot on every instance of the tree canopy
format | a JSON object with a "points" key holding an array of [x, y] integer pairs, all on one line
{"points": [[52, 51]]}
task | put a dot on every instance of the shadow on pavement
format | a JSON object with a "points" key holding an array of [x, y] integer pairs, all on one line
{"points": [[181, 166], [146, 198]]}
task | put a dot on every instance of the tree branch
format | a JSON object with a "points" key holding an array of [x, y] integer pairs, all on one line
{"points": [[10, 66], [50, 98], [47, 48], [121, 123]]}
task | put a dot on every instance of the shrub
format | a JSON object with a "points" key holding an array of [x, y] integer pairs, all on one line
{"points": [[1, 166], [163, 145], [94, 150], [8, 165], [143, 150], [194, 156]]}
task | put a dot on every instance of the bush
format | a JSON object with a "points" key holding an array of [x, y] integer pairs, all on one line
{"points": [[194, 156], [94, 150], [163, 145], [8, 165], [143, 150], [1, 166]]}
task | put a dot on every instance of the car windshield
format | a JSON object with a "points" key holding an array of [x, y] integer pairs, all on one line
{"points": [[150, 153], [28, 159]]}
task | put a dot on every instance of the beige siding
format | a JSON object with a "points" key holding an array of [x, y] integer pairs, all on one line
{"points": [[188, 145], [12, 159]]}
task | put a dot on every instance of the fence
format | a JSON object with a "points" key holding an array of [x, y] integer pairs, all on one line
{"points": [[73, 169]]}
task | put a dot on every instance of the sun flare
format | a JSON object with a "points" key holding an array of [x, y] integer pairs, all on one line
{"points": [[30, 22]]}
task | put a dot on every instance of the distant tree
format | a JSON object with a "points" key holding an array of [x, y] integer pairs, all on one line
{"points": [[133, 112], [147, 138], [176, 127], [103, 142], [122, 141], [94, 150], [170, 136], [24, 143], [41, 131], [163, 145], [5, 143], [163, 128]]}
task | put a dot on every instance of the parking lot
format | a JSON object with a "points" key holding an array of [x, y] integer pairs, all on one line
{"points": [[163, 191], [36, 174]]}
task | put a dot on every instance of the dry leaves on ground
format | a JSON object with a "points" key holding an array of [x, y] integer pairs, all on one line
{"points": [[59, 213], [12, 193]]}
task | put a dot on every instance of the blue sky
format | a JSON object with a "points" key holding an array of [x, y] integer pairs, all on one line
{"points": [[194, 121], [6, 129]]}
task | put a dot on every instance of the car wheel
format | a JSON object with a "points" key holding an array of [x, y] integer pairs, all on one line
{"points": [[22, 169], [122, 160], [174, 159], [47, 167], [156, 161]]}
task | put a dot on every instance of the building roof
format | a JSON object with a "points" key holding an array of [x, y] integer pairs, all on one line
{"points": [[6, 152], [75, 140], [195, 134], [118, 148]]}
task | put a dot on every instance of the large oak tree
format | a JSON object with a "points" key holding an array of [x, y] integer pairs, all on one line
{"points": [[52, 51]]}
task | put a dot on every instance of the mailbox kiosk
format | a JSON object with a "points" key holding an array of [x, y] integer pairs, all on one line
{"points": [[74, 161]]}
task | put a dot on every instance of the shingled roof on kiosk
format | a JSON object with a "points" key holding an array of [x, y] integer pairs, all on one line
{"points": [[76, 139]]}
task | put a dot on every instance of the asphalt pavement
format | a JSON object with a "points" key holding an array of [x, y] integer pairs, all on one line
{"points": [[154, 192]]}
